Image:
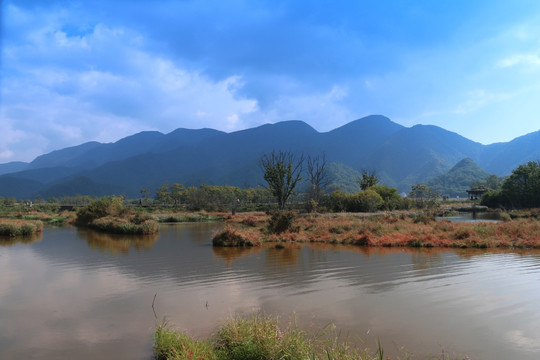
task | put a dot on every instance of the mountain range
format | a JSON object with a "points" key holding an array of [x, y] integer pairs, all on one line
{"points": [[400, 156]]}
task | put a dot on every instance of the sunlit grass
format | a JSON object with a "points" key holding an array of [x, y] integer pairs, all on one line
{"points": [[257, 337], [387, 230], [15, 227]]}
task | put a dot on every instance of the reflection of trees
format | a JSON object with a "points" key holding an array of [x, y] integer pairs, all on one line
{"points": [[283, 257], [114, 243], [29, 239], [425, 259], [197, 233], [229, 254]]}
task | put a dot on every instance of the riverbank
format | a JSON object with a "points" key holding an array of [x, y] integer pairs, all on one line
{"points": [[383, 229], [256, 337], [17, 227]]}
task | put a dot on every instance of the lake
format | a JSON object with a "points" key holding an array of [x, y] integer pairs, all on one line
{"points": [[492, 217], [78, 294]]}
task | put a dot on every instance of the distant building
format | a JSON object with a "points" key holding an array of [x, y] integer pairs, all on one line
{"points": [[476, 193]]}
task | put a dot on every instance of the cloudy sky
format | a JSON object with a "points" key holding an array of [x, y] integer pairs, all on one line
{"points": [[75, 71]]}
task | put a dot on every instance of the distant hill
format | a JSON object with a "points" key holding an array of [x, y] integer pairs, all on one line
{"points": [[399, 155], [343, 177], [458, 180], [11, 167], [418, 153]]}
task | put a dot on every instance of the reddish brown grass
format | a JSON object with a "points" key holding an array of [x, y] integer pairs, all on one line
{"points": [[388, 230]]}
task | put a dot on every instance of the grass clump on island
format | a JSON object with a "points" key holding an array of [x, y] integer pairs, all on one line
{"points": [[255, 337], [12, 228], [109, 215], [384, 229]]}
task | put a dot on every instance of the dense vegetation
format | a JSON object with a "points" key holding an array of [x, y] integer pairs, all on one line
{"points": [[13, 228], [109, 215], [399, 229], [459, 179], [256, 337], [520, 190]]}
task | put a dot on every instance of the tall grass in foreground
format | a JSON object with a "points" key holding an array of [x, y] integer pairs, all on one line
{"points": [[255, 337]]}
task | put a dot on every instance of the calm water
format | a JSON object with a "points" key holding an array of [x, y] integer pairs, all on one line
{"points": [[473, 217], [73, 294]]}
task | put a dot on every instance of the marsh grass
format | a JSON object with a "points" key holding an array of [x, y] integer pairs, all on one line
{"points": [[12, 228], [55, 219], [187, 217], [174, 345], [129, 225], [257, 337], [388, 230]]}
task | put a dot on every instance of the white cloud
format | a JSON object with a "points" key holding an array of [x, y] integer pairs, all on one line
{"points": [[111, 87], [527, 60], [478, 99]]}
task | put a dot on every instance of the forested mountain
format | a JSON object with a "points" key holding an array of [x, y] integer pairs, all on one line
{"points": [[400, 156], [458, 180]]}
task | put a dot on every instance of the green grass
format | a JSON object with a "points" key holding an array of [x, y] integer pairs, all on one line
{"points": [[173, 345], [256, 337], [116, 225]]}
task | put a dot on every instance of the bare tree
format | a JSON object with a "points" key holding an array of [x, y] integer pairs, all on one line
{"points": [[282, 171], [318, 176]]}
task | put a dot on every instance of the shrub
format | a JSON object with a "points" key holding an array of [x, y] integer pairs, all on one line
{"points": [[107, 206], [424, 218], [20, 228], [281, 221], [504, 216], [230, 237], [123, 226]]}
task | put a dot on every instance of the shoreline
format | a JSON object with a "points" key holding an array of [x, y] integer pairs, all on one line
{"points": [[380, 230]]}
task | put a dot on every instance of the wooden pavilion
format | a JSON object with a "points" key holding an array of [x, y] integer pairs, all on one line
{"points": [[476, 193]]}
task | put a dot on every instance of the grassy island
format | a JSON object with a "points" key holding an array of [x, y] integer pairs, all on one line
{"points": [[109, 215], [17, 227], [255, 337], [383, 229]]}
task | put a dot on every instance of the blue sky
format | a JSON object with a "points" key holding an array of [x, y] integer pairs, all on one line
{"points": [[76, 71]]}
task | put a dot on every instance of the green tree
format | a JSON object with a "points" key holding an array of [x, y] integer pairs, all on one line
{"points": [[282, 172], [177, 192], [162, 194], [522, 187], [390, 196], [368, 179], [106, 206], [145, 193], [364, 201], [424, 196]]}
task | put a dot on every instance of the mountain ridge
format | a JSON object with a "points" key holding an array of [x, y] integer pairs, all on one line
{"points": [[400, 155]]}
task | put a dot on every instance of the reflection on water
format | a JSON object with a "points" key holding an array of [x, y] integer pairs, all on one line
{"points": [[59, 298], [473, 217], [230, 254], [12, 240], [115, 243]]}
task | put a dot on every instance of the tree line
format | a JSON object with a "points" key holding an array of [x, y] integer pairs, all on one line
{"points": [[519, 190]]}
